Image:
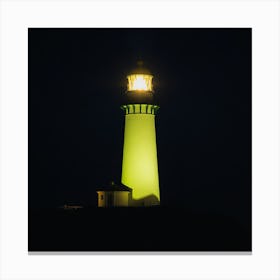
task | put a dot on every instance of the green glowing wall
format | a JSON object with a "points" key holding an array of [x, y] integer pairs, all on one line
{"points": [[140, 166]]}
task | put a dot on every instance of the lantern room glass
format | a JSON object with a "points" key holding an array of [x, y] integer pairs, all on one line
{"points": [[140, 82]]}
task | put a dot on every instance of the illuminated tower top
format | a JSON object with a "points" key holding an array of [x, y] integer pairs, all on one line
{"points": [[140, 80], [139, 86]]}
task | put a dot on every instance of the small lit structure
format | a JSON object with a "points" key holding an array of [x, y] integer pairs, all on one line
{"points": [[114, 196], [72, 206]]}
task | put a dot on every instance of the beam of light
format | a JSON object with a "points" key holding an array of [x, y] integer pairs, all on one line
{"points": [[139, 82]]}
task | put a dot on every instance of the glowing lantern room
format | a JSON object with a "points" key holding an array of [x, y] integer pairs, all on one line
{"points": [[140, 80]]}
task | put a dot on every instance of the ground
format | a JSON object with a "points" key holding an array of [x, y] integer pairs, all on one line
{"points": [[134, 229]]}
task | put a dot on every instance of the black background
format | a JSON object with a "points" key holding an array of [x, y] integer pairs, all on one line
{"points": [[202, 80]]}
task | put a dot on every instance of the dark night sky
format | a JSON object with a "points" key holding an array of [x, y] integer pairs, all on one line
{"points": [[76, 78]]}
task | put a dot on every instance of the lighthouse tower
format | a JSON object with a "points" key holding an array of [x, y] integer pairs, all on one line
{"points": [[140, 165]]}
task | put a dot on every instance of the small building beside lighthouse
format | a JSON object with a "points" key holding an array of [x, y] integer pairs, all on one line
{"points": [[114, 195]]}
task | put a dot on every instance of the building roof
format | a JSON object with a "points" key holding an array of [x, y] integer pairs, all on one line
{"points": [[140, 69], [112, 187]]}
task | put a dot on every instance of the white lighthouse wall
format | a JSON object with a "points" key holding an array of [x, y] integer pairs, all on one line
{"points": [[140, 166]]}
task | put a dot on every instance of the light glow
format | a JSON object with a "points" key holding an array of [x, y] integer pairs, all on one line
{"points": [[139, 82]]}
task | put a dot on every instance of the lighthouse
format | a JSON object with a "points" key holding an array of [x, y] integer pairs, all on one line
{"points": [[140, 164]]}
